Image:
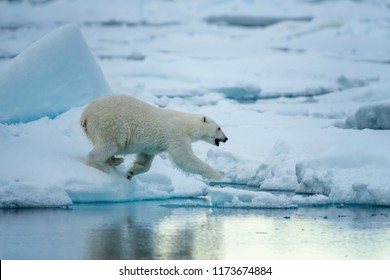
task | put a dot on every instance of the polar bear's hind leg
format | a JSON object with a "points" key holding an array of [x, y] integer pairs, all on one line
{"points": [[101, 156], [114, 161], [142, 164]]}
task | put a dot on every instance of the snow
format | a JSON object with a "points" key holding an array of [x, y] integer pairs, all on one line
{"points": [[54, 74], [17, 195], [301, 89], [231, 197], [373, 116]]}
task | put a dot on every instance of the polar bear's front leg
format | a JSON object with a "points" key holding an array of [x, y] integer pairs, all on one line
{"points": [[142, 164], [185, 159]]}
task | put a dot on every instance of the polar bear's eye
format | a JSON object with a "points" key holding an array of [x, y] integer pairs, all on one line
{"points": [[219, 128]]}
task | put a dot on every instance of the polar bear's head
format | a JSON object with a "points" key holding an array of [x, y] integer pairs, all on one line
{"points": [[211, 132]]}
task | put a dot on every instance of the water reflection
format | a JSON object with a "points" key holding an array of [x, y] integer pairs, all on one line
{"points": [[164, 234], [146, 230], [122, 238], [201, 233]]}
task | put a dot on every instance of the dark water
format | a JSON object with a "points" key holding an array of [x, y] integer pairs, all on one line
{"points": [[147, 230]]}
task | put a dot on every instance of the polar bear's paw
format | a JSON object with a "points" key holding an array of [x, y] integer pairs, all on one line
{"points": [[216, 176], [129, 175], [101, 166]]}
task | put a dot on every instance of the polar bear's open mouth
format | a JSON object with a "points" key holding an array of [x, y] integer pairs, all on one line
{"points": [[217, 141]]}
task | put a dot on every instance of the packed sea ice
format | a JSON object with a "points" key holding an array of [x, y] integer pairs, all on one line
{"points": [[301, 88]]}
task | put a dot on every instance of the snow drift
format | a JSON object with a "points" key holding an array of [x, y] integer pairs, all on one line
{"points": [[372, 116]]}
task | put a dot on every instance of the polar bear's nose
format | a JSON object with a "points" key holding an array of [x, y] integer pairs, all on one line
{"points": [[224, 140]]}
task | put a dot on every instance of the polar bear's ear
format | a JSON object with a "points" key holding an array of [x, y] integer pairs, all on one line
{"points": [[204, 119]]}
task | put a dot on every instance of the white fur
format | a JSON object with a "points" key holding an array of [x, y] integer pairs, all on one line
{"points": [[120, 125]]}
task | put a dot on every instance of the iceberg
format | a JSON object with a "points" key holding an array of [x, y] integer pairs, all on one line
{"points": [[54, 74]]}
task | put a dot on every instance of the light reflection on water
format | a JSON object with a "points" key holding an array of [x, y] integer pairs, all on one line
{"points": [[147, 230]]}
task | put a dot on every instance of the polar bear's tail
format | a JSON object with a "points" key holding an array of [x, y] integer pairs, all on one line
{"points": [[83, 122]]}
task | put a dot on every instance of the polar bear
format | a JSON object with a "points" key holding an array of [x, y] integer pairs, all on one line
{"points": [[120, 125]]}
